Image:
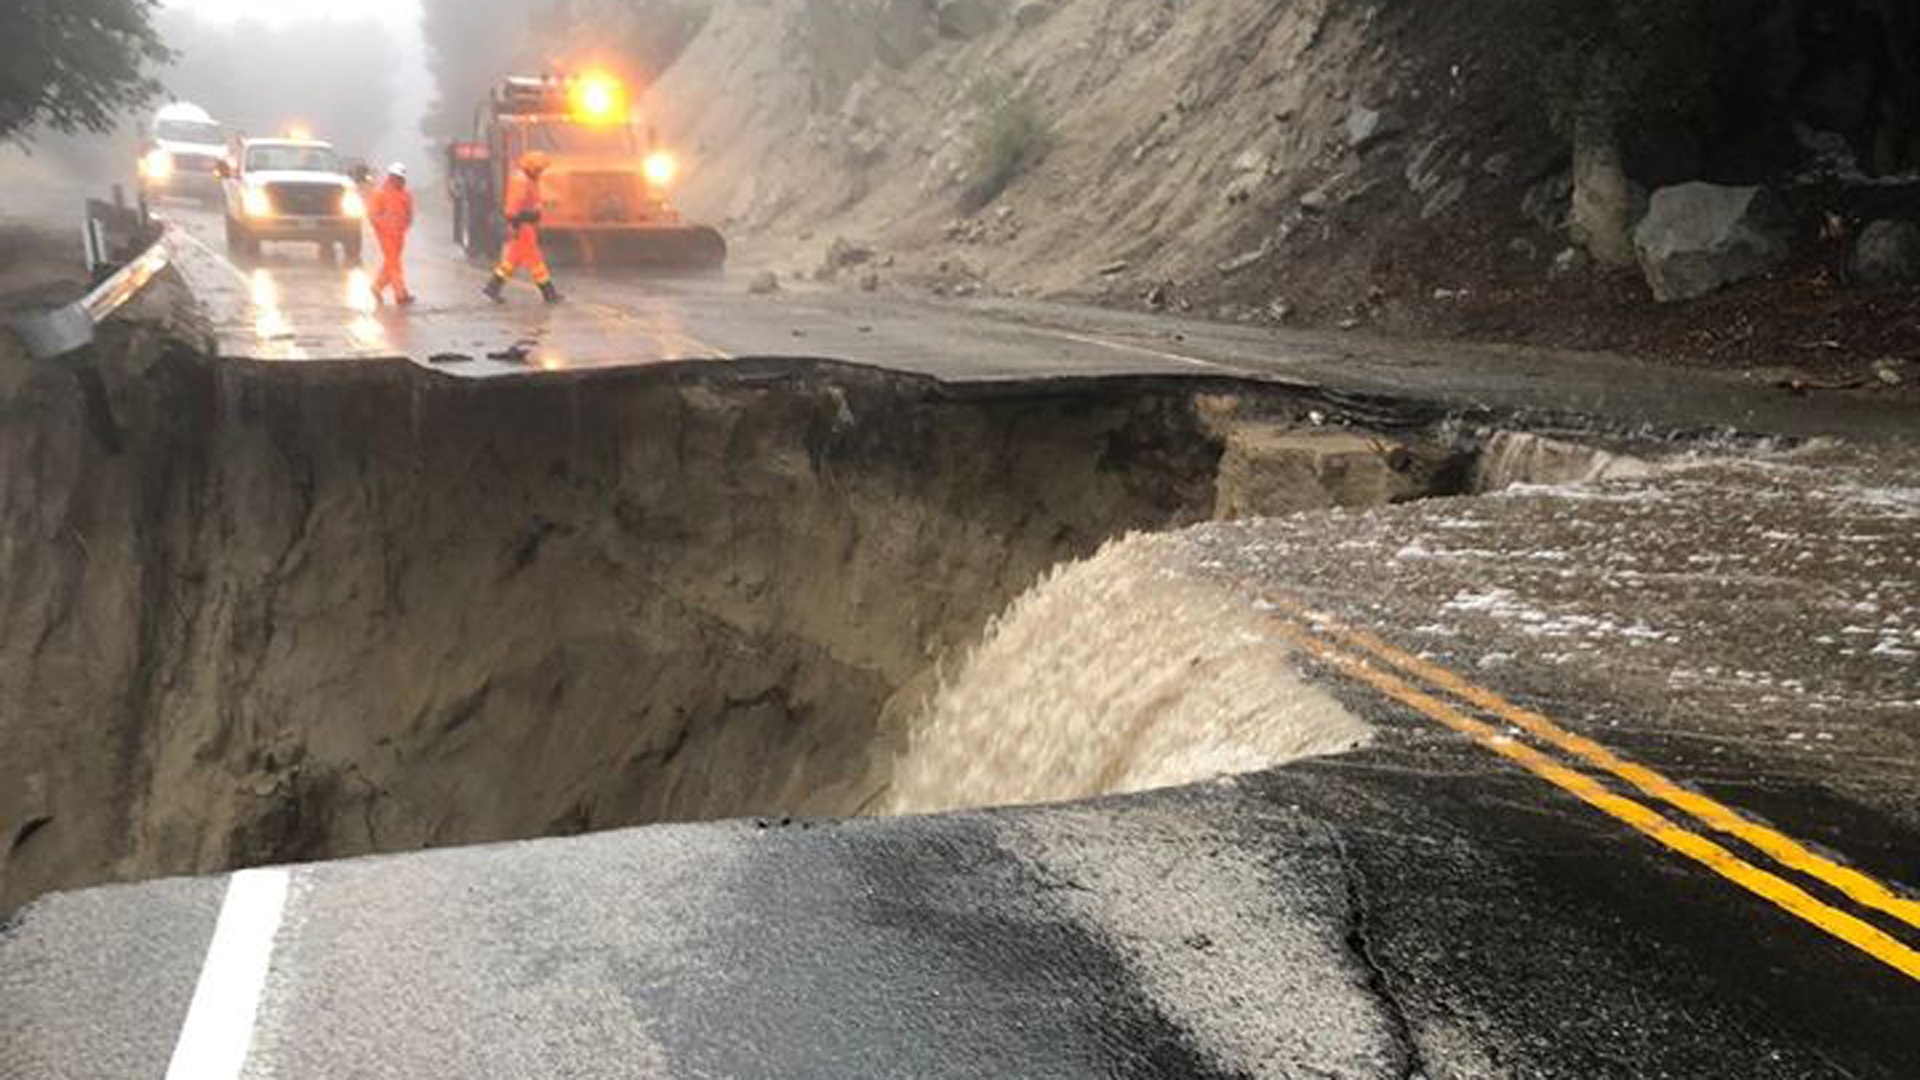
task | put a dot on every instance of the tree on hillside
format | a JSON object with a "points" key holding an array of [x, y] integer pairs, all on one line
{"points": [[76, 65], [1607, 64]]}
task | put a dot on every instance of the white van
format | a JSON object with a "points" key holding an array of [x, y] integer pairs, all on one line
{"points": [[181, 154]]}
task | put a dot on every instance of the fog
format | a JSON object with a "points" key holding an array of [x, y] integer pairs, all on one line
{"points": [[335, 78], [353, 73], [383, 80]]}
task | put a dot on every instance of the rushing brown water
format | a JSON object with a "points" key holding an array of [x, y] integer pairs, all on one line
{"points": [[1116, 674]]}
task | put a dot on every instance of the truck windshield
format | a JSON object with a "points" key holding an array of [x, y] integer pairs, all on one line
{"points": [[292, 159], [188, 131], [582, 140]]}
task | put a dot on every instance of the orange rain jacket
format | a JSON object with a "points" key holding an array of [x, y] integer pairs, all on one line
{"points": [[390, 210], [523, 246]]}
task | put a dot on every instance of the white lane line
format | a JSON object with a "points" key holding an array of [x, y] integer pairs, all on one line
{"points": [[1143, 350], [218, 1032]]}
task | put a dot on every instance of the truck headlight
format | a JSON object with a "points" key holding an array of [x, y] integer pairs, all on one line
{"points": [[661, 168], [255, 202], [157, 165], [352, 205]]}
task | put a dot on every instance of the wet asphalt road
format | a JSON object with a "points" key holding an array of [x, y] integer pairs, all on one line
{"points": [[1412, 910], [291, 306], [1438, 904], [1730, 642]]}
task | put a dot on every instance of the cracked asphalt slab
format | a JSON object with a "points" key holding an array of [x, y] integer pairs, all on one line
{"points": [[288, 306]]}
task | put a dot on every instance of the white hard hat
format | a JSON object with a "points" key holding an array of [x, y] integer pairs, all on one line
{"points": [[397, 169]]}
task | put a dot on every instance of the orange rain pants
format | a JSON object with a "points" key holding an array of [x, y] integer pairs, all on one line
{"points": [[523, 252], [391, 213], [393, 269]]}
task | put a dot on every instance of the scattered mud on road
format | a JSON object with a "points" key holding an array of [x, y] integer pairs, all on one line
{"points": [[259, 613]]}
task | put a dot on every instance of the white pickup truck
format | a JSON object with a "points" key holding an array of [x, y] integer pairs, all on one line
{"points": [[180, 154], [293, 190]]}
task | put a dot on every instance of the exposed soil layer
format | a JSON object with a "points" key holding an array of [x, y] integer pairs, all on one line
{"points": [[256, 612]]}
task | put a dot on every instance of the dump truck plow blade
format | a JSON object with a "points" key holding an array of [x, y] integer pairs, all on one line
{"points": [[692, 247]]}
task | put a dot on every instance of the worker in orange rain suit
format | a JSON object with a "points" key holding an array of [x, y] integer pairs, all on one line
{"points": [[523, 244], [390, 210]]}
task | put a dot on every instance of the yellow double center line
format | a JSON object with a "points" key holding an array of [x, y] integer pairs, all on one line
{"points": [[1789, 853]]}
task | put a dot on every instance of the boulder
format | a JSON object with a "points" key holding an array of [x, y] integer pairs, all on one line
{"points": [[1698, 238], [1887, 253], [843, 253], [1568, 263], [1368, 128]]}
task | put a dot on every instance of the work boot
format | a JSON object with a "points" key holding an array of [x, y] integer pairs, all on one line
{"points": [[496, 289], [551, 294]]}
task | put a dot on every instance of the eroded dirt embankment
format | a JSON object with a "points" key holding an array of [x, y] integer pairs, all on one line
{"points": [[258, 612]]}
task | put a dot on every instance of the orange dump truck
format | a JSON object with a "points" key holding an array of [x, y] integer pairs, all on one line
{"points": [[606, 194]]}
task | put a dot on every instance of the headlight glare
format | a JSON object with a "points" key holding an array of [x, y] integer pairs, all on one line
{"points": [[661, 168]]}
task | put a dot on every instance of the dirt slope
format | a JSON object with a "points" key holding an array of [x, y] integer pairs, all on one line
{"points": [[854, 116], [1352, 163]]}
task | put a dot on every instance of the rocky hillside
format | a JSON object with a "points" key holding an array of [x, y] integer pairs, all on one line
{"points": [[1157, 131], [1362, 163]]}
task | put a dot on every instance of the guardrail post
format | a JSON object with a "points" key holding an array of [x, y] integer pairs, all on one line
{"points": [[96, 247]]}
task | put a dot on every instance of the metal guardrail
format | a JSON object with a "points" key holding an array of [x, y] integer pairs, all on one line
{"points": [[52, 334]]}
